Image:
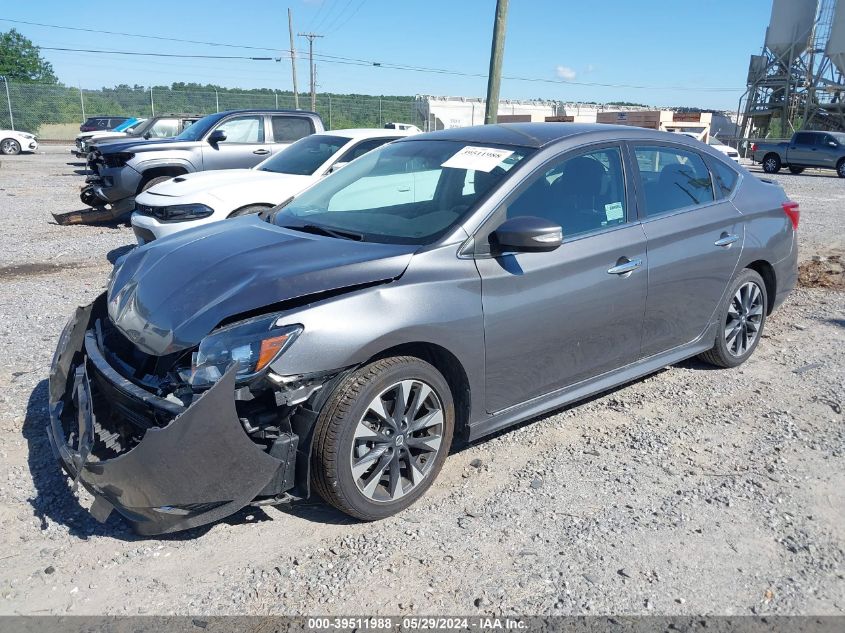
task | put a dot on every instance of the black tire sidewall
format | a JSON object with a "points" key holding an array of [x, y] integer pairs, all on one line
{"points": [[721, 348], [407, 368], [152, 182], [840, 168], [250, 209]]}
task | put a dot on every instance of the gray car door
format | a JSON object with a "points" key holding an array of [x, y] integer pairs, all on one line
{"points": [[694, 242], [804, 150], [553, 319], [245, 145]]}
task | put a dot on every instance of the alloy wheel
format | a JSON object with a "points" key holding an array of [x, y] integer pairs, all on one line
{"points": [[745, 315], [771, 164], [10, 146], [841, 169], [397, 440]]}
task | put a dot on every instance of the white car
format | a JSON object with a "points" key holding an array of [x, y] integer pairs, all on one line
{"points": [[210, 196], [729, 151], [14, 142]]}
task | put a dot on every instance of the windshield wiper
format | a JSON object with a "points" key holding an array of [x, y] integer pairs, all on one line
{"points": [[316, 229]]}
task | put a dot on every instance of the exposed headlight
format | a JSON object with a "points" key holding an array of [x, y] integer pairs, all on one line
{"points": [[176, 212], [118, 159], [252, 344]]}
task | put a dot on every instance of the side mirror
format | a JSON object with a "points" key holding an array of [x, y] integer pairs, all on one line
{"points": [[217, 136], [526, 234], [336, 167], [147, 135], [833, 143]]}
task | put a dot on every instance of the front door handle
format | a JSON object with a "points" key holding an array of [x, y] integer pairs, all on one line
{"points": [[625, 266], [261, 152], [403, 189], [726, 239]]}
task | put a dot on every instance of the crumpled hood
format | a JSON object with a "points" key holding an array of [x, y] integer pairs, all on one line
{"points": [[135, 145], [231, 183], [168, 295]]}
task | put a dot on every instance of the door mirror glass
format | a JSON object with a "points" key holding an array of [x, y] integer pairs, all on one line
{"points": [[217, 136], [526, 234]]}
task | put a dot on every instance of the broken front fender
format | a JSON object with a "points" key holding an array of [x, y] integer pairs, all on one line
{"points": [[198, 468]]}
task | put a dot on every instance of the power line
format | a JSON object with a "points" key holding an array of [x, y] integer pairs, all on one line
{"points": [[351, 15], [339, 15], [352, 61], [185, 55]]}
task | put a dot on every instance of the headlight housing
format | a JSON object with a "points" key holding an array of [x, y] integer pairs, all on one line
{"points": [[176, 212], [118, 159], [252, 344]]}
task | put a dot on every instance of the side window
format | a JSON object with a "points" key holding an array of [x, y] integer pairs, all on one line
{"points": [[243, 129], [362, 148], [583, 193], [287, 129], [672, 179], [726, 178], [186, 123], [802, 138], [164, 128]]}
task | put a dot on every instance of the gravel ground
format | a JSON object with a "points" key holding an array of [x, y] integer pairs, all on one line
{"points": [[693, 491]]}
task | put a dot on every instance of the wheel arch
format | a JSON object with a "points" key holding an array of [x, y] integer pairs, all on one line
{"points": [[159, 171], [447, 364], [767, 272]]}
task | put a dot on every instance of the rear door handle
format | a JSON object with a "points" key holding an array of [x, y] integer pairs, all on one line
{"points": [[726, 240], [403, 189], [261, 152], [625, 266]]}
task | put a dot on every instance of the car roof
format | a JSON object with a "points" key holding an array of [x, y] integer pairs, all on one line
{"points": [[268, 110], [376, 132], [537, 135]]}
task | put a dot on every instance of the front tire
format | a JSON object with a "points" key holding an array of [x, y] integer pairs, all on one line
{"points": [[382, 437], [771, 163], [10, 147], [152, 182], [741, 321], [840, 168]]}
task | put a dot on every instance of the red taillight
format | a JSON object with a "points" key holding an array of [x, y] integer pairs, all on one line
{"points": [[754, 147], [791, 209]]}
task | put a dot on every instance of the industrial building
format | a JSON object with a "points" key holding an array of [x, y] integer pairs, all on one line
{"points": [[797, 80]]}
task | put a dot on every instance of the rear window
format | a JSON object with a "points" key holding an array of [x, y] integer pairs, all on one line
{"points": [[287, 129]]}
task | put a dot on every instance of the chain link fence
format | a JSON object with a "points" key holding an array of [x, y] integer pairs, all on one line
{"points": [[55, 112]]}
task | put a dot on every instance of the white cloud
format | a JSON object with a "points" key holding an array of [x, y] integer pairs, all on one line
{"points": [[565, 72]]}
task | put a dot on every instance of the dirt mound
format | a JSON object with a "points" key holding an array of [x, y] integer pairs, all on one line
{"points": [[823, 272]]}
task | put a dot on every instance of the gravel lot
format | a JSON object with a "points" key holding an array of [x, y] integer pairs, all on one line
{"points": [[692, 491]]}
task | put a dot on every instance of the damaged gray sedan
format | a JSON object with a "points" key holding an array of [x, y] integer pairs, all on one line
{"points": [[445, 285]]}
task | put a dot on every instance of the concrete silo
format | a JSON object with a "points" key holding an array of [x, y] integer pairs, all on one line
{"points": [[798, 78]]}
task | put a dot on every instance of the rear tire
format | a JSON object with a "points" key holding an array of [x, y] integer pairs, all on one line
{"points": [[741, 321], [10, 147], [771, 163], [372, 460], [796, 170]]}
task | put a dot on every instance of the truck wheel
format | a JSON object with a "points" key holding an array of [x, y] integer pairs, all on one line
{"points": [[382, 437], [796, 170], [840, 168], [771, 163], [152, 182]]}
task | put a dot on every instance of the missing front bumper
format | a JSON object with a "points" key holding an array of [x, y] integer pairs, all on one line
{"points": [[198, 468]]}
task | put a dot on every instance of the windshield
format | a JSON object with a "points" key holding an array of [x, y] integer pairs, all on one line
{"points": [[137, 125], [410, 192], [305, 156], [197, 130]]}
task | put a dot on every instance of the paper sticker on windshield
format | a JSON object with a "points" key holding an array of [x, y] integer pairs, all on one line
{"points": [[478, 158], [614, 211]]}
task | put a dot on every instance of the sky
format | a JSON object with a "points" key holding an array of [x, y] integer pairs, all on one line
{"points": [[657, 52]]}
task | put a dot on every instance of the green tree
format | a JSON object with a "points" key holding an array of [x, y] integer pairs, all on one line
{"points": [[20, 60]]}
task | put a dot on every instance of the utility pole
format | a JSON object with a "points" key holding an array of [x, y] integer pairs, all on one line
{"points": [[311, 37], [293, 61], [497, 52]]}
